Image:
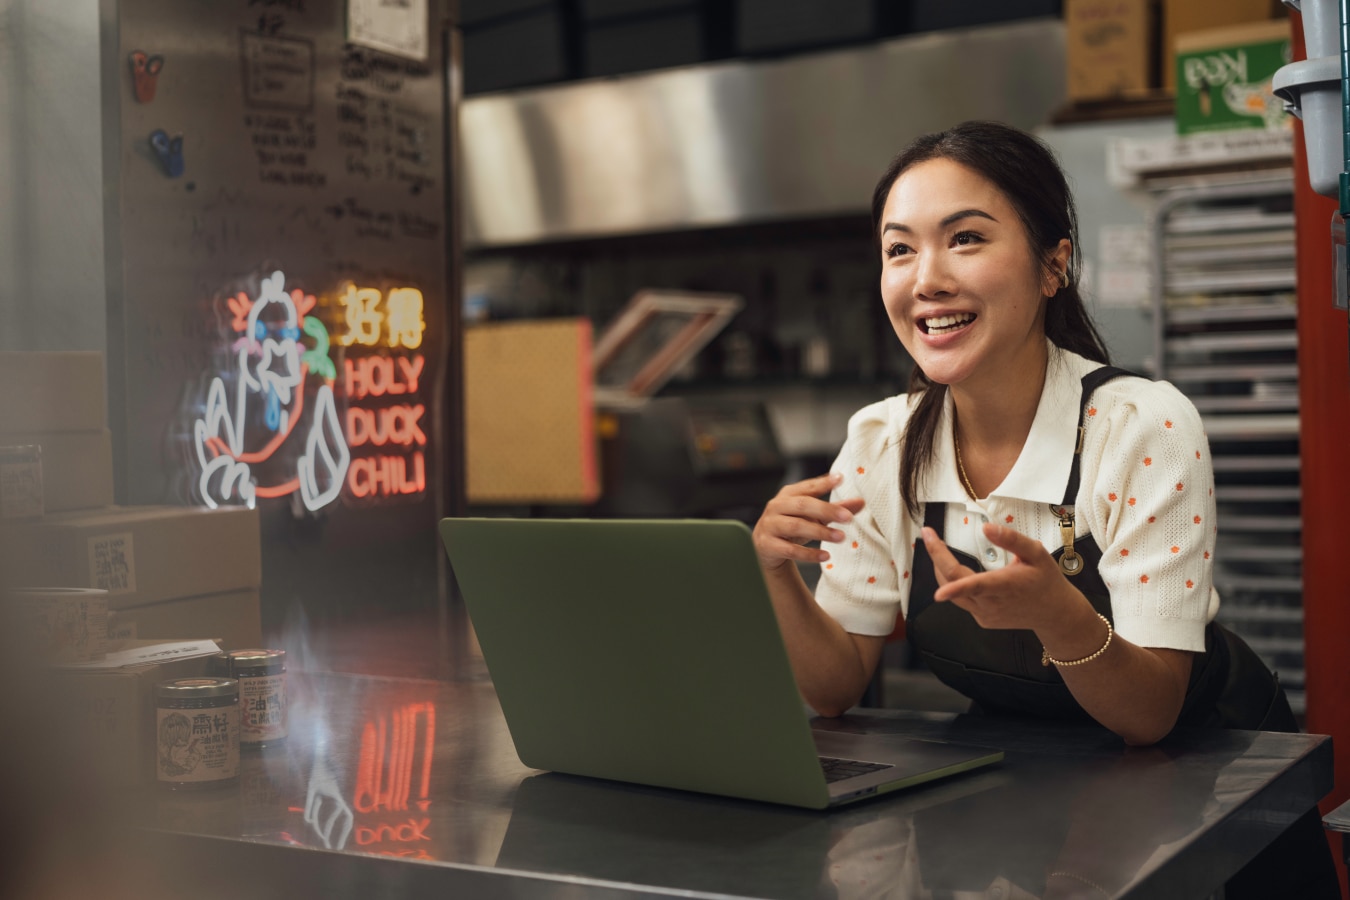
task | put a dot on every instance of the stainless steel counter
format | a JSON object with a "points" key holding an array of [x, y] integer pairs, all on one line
{"points": [[391, 787]]}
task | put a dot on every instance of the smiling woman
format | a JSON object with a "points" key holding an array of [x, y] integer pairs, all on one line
{"points": [[1043, 521]]}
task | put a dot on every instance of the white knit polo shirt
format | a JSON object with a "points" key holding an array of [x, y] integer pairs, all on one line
{"points": [[1146, 496]]}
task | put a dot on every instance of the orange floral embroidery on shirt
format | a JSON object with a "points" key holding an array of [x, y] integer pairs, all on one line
{"points": [[1148, 460], [829, 565], [1131, 501], [1181, 485], [906, 575], [861, 470], [1197, 454], [1008, 519], [1124, 552], [1196, 520], [1143, 579], [965, 520], [1152, 519], [1112, 497], [1176, 549], [1167, 424], [855, 545], [1092, 410], [1206, 554], [871, 579], [1189, 583]]}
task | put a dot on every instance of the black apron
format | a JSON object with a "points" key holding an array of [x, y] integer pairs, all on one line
{"points": [[1000, 670]]}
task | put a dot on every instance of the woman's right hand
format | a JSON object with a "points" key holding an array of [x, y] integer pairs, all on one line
{"points": [[796, 516]]}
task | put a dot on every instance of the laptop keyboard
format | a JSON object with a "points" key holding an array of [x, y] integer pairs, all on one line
{"points": [[839, 769]]}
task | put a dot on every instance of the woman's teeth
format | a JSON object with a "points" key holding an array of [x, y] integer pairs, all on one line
{"points": [[948, 324]]}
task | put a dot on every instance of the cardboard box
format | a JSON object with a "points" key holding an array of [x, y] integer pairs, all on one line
{"points": [[52, 391], [62, 625], [115, 710], [140, 554], [77, 469], [232, 619], [1224, 77], [1111, 48], [1184, 16]]}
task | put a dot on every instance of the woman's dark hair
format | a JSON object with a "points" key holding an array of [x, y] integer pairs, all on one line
{"points": [[1027, 174]]}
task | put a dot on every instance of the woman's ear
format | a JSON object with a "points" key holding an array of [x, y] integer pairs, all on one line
{"points": [[1057, 268]]}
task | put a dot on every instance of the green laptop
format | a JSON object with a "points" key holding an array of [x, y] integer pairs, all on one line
{"points": [[647, 651]]}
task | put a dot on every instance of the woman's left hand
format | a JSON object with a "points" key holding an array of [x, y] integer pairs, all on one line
{"points": [[1029, 592]]}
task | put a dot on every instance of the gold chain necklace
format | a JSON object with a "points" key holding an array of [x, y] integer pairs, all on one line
{"points": [[960, 467]]}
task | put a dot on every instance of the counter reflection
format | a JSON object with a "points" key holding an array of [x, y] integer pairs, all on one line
{"points": [[425, 771]]}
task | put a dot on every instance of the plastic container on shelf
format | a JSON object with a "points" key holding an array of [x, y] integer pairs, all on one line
{"points": [[1311, 90]]}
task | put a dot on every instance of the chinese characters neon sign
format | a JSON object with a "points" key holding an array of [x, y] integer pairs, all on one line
{"points": [[401, 314], [256, 439]]}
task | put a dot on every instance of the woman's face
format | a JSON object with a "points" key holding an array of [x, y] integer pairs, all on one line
{"points": [[963, 290]]}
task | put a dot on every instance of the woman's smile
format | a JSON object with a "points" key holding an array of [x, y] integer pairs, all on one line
{"points": [[946, 324]]}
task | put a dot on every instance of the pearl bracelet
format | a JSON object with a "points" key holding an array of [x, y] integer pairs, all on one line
{"points": [[1048, 660]]}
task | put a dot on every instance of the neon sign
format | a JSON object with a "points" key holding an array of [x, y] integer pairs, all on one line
{"points": [[384, 324], [257, 439], [269, 384], [375, 376], [366, 321]]}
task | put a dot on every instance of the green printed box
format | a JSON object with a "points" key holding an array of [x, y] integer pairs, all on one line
{"points": [[1224, 74]]}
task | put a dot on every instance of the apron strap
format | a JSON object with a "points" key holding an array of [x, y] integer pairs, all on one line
{"points": [[1091, 381]]}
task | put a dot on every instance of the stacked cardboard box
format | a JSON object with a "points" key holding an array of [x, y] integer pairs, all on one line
{"points": [[56, 402], [1126, 49], [1110, 49], [1182, 17], [169, 571]]}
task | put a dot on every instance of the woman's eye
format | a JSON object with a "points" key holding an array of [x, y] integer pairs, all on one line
{"points": [[897, 250], [965, 238]]}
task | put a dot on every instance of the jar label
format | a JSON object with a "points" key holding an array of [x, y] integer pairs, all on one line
{"points": [[196, 745], [262, 702]]}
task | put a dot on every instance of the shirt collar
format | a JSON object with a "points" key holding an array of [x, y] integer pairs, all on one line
{"points": [[1041, 473]]}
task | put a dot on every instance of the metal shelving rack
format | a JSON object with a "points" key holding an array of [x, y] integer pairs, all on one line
{"points": [[1224, 312]]}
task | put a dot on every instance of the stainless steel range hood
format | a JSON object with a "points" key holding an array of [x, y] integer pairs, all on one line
{"points": [[738, 142]]}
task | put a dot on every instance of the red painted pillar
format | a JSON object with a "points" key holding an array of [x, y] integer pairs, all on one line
{"points": [[1324, 448]]}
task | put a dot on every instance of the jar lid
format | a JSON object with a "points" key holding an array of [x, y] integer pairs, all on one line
{"points": [[197, 688], [250, 658]]}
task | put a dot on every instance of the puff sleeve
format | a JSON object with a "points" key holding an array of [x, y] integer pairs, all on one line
{"points": [[865, 583], [1147, 495]]}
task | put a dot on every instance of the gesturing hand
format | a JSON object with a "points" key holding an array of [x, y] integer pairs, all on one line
{"points": [[796, 516], [1029, 592]]}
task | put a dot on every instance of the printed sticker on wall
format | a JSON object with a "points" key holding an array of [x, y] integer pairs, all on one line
{"points": [[145, 74], [168, 150], [112, 562]]}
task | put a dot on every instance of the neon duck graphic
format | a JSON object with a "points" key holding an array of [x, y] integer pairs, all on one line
{"points": [[247, 444]]}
